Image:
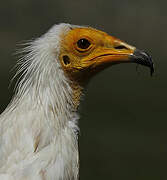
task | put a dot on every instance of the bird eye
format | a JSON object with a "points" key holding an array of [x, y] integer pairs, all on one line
{"points": [[83, 44]]}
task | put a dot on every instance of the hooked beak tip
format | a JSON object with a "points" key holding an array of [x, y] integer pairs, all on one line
{"points": [[143, 58]]}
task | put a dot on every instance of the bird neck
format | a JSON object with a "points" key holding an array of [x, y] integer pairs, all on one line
{"points": [[45, 106], [47, 110], [77, 94], [58, 99]]}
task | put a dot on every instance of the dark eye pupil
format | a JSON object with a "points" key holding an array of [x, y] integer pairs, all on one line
{"points": [[83, 43]]}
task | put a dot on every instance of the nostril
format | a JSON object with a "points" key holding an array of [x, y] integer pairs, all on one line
{"points": [[120, 47]]}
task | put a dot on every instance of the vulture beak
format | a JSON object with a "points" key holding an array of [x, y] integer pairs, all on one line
{"points": [[121, 52], [143, 58]]}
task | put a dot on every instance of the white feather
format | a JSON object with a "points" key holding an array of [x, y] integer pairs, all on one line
{"points": [[38, 139]]}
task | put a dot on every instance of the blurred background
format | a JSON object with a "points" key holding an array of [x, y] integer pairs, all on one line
{"points": [[123, 118]]}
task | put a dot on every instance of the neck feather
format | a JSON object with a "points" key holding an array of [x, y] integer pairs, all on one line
{"points": [[43, 79], [46, 92]]}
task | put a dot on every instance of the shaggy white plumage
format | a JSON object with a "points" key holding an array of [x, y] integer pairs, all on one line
{"points": [[38, 139], [38, 130]]}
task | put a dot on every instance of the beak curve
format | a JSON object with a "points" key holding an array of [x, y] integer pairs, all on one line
{"points": [[143, 58]]}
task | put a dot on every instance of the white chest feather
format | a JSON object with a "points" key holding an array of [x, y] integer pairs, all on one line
{"points": [[30, 149]]}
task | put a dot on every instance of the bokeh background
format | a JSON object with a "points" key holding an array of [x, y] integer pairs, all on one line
{"points": [[123, 118]]}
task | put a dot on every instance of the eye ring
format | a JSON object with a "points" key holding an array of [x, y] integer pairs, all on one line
{"points": [[83, 44]]}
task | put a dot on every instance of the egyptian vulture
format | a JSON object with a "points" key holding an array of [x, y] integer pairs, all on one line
{"points": [[39, 128]]}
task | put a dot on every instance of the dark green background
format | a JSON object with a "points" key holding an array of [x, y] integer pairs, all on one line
{"points": [[123, 118]]}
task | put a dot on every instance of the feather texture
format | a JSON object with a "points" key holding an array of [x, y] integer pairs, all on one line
{"points": [[38, 138]]}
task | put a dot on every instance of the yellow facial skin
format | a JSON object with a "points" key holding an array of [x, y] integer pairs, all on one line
{"points": [[103, 50]]}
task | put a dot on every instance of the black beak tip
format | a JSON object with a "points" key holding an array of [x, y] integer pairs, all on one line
{"points": [[143, 58]]}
